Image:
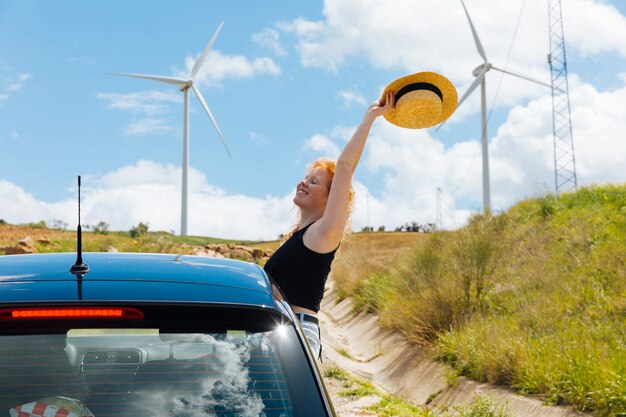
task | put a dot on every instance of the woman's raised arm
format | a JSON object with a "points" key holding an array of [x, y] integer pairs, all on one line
{"points": [[326, 233]]}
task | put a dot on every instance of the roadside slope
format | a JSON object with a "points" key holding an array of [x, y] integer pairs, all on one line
{"points": [[357, 344]]}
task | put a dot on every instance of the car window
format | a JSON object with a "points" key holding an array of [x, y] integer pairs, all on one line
{"points": [[156, 372]]}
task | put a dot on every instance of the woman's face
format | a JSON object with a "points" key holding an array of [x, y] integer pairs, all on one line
{"points": [[312, 191]]}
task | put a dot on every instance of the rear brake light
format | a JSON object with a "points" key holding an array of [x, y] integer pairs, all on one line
{"points": [[70, 313]]}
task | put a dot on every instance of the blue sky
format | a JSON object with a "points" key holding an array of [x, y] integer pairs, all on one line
{"points": [[288, 82]]}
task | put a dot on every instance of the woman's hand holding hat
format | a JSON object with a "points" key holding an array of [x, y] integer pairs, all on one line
{"points": [[382, 106], [422, 100]]}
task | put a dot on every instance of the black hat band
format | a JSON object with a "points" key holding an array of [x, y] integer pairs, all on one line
{"points": [[418, 86]]}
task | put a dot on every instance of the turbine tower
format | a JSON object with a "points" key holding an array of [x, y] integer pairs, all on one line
{"points": [[480, 72], [564, 161], [438, 224], [184, 85]]}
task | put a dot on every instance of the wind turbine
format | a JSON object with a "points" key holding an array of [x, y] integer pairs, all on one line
{"points": [[479, 72], [184, 85]]}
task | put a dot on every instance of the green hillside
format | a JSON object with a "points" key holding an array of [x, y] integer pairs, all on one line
{"points": [[533, 299]]}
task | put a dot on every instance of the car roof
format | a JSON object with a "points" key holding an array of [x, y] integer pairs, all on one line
{"points": [[137, 277]]}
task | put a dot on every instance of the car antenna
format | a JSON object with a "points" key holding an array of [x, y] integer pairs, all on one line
{"points": [[79, 268]]}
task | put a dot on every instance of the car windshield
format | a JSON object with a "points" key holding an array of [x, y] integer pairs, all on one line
{"points": [[156, 372]]}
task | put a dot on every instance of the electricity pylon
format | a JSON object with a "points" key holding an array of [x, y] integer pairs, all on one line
{"points": [[564, 161]]}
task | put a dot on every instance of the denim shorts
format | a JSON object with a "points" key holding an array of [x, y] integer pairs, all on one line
{"points": [[311, 328]]}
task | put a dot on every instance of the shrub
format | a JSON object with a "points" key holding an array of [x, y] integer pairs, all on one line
{"points": [[474, 258], [139, 230], [102, 228], [441, 284], [39, 225], [58, 224]]}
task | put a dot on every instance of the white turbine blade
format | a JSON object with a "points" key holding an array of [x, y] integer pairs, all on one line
{"points": [[479, 46], [208, 111], [516, 74], [473, 86], [469, 91], [169, 80], [202, 57]]}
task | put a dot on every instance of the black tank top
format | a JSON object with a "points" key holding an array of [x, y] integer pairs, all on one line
{"points": [[300, 272]]}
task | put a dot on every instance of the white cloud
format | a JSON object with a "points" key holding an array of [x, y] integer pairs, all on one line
{"points": [[313, 53], [598, 123], [435, 35], [582, 18], [412, 165], [270, 38], [150, 192], [329, 145], [14, 135], [350, 97], [149, 102], [17, 85], [149, 125], [11, 85], [524, 147], [26, 208], [259, 138], [149, 108], [343, 133], [373, 211], [323, 144], [218, 67]]}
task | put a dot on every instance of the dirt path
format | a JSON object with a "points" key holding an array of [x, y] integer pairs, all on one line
{"points": [[337, 352], [357, 345], [349, 406]]}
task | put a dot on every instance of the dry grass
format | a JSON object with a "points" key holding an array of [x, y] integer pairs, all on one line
{"points": [[363, 255], [270, 245], [10, 234], [48, 240]]}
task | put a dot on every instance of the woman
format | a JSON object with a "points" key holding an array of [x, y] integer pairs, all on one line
{"points": [[301, 265]]}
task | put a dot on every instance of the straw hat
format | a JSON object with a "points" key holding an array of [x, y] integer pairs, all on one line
{"points": [[422, 100]]}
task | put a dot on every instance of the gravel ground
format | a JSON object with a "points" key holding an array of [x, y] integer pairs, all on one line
{"points": [[333, 343]]}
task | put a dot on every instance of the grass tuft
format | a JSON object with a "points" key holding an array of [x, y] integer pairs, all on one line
{"points": [[482, 405]]}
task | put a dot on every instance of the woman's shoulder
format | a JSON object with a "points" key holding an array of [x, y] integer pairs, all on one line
{"points": [[316, 241]]}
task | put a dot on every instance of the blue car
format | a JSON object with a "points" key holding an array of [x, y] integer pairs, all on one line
{"points": [[150, 335]]}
